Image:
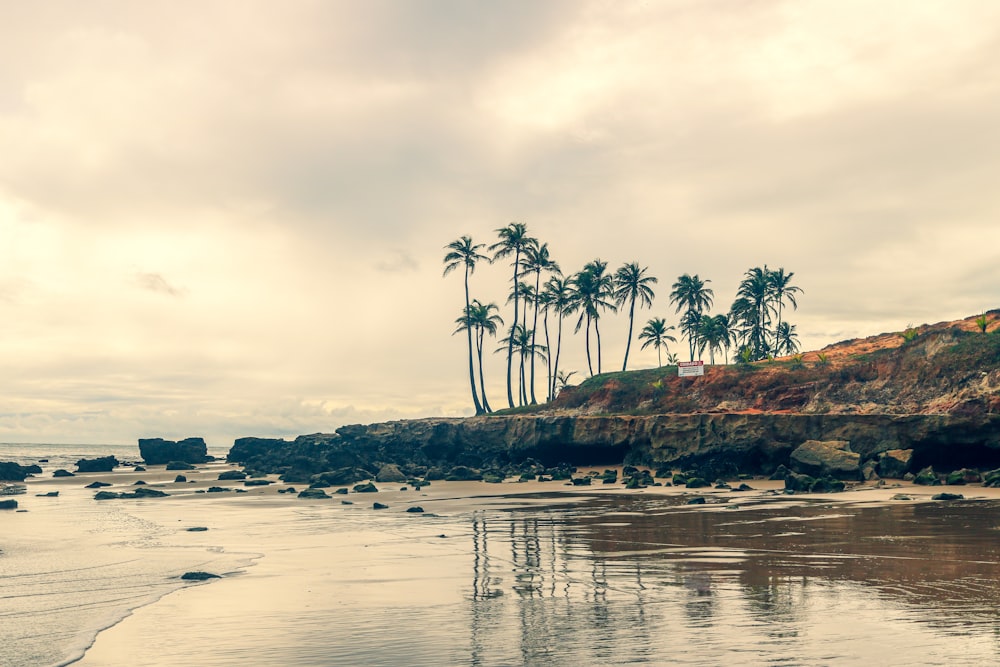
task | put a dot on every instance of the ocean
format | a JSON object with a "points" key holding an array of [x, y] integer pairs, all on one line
{"points": [[510, 574]]}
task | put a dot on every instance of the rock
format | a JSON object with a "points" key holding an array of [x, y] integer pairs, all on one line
{"points": [[780, 473], [342, 491], [342, 476], [434, 474], [927, 477], [963, 476], [379, 506], [13, 472], [257, 482], [199, 576], [101, 464], [901, 496], [580, 481], [390, 473], [138, 482], [832, 458], [62, 473], [894, 463], [197, 529], [869, 471], [696, 501], [179, 465], [139, 469], [105, 495], [992, 478], [218, 489], [827, 485], [346, 502], [948, 496], [493, 478], [145, 493], [696, 483], [365, 488], [416, 509], [50, 494], [313, 493], [231, 475], [743, 487], [8, 504], [180, 479], [97, 485], [157, 451], [463, 474], [795, 482]]}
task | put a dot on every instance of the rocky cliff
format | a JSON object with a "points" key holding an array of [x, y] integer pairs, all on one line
{"points": [[935, 391]]}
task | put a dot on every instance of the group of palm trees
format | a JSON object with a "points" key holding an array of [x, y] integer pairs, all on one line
{"points": [[540, 289]]}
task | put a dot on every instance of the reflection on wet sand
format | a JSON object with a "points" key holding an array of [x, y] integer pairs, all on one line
{"points": [[631, 579]]}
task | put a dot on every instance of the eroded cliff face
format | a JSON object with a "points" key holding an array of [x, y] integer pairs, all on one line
{"points": [[752, 443]]}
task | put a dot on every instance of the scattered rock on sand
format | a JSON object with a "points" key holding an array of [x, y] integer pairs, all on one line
{"points": [[100, 464], [390, 473], [313, 493], [8, 504], [62, 473], [379, 506], [97, 485], [948, 496], [821, 458], [199, 576], [230, 475]]}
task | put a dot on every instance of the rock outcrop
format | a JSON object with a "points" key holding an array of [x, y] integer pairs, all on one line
{"points": [[832, 458], [157, 451], [100, 464], [13, 472]]}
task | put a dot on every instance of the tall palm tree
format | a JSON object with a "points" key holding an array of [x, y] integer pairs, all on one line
{"points": [[655, 334], [631, 284], [593, 291], [692, 294], [513, 240], [752, 310], [559, 297], [485, 321], [562, 380], [713, 333], [465, 253], [536, 260], [782, 290]]}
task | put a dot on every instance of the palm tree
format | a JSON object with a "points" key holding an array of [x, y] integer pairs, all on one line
{"points": [[752, 310], [520, 339], [562, 380], [781, 288], [630, 284], [536, 260], [672, 359], [465, 253], [713, 333], [691, 294], [786, 340], [485, 321], [655, 334], [559, 297], [593, 289], [513, 240]]}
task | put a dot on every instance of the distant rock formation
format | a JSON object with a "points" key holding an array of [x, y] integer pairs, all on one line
{"points": [[157, 451], [101, 464]]}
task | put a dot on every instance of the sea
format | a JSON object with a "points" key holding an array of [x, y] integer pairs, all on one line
{"points": [[488, 575]]}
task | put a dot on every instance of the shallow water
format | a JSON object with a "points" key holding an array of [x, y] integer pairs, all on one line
{"points": [[608, 580], [555, 579]]}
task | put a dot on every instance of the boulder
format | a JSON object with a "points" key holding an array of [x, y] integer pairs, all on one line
{"points": [[365, 488], [8, 504], [464, 474], [948, 496], [180, 479], [257, 482], [869, 471], [390, 473], [232, 475], [894, 463], [100, 464], [821, 458], [992, 478], [13, 472], [157, 451], [379, 506], [342, 476], [963, 476], [927, 477], [313, 493], [199, 576], [97, 485], [62, 473], [179, 465]]}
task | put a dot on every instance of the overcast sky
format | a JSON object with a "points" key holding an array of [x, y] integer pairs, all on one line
{"points": [[228, 218]]}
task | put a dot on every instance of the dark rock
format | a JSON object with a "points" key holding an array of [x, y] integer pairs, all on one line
{"points": [[62, 473], [581, 481], [927, 477], [434, 474], [463, 474], [992, 478], [145, 493], [869, 471], [8, 504], [365, 488], [390, 473], [341, 491], [105, 495], [197, 529], [101, 464], [313, 493], [699, 500], [799, 483], [97, 485], [199, 576], [827, 485], [218, 489], [139, 469], [780, 473], [415, 509], [50, 494], [963, 476], [342, 476], [257, 482], [948, 496], [894, 463], [346, 502], [138, 482], [696, 483], [679, 479], [180, 479], [13, 472], [179, 465], [232, 475], [157, 451], [821, 458], [379, 506], [493, 478], [743, 487]]}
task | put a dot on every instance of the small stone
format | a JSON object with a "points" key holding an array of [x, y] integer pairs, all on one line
{"points": [[379, 506], [948, 496], [415, 510], [199, 576], [197, 529]]}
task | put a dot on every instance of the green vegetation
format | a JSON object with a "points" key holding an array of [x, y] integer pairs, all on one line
{"points": [[982, 322], [909, 333]]}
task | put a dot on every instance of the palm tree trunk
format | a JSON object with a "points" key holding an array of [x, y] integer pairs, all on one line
{"points": [[628, 344], [597, 330], [659, 359], [468, 330], [534, 328], [548, 358], [590, 366], [555, 366], [482, 380], [510, 340]]}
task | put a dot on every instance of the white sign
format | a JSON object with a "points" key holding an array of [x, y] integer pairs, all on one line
{"points": [[687, 369]]}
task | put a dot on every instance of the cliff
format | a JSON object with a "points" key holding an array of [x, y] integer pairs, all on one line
{"points": [[935, 391]]}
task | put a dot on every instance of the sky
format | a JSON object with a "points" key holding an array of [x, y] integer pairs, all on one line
{"points": [[228, 218]]}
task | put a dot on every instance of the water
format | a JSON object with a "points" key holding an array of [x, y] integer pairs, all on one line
{"points": [[588, 579]]}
